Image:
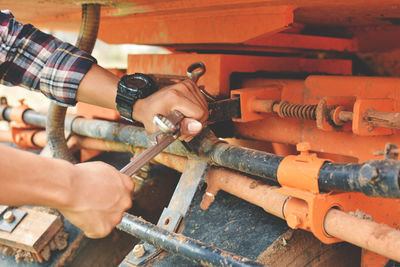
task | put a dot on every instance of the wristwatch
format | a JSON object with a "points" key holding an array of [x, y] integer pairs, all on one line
{"points": [[131, 88]]}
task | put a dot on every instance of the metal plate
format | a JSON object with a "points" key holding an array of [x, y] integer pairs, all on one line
{"points": [[191, 180], [9, 227], [3, 209]]}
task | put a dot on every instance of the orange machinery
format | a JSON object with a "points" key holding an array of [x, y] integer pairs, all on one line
{"points": [[317, 74]]}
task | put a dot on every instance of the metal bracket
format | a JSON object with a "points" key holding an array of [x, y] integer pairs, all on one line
{"points": [[192, 178], [10, 226]]}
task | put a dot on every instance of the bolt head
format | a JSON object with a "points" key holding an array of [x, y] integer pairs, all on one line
{"points": [[9, 216], [303, 146], [293, 221], [139, 251]]}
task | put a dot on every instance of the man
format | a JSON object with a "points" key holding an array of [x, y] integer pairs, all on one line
{"points": [[94, 195]]}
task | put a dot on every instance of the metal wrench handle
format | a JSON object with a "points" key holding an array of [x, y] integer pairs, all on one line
{"points": [[174, 118]]}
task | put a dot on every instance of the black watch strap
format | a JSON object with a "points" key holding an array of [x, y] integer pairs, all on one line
{"points": [[131, 88]]}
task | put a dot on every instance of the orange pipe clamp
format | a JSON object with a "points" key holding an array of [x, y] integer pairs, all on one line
{"points": [[306, 208], [21, 132]]}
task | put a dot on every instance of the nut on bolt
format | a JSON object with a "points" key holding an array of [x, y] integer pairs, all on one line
{"points": [[9, 216], [139, 251]]}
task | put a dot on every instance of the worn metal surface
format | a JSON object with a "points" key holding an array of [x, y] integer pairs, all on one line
{"points": [[231, 224], [378, 178], [192, 249], [234, 157], [224, 110], [10, 226], [191, 179]]}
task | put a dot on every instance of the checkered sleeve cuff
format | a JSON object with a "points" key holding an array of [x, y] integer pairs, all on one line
{"points": [[38, 61], [63, 72]]}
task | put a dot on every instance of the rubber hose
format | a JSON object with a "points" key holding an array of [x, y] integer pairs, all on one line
{"points": [[56, 114]]}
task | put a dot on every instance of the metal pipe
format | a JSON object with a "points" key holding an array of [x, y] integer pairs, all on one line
{"points": [[374, 178], [246, 188], [364, 233], [250, 161], [56, 114], [378, 178], [189, 248], [370, 235]]}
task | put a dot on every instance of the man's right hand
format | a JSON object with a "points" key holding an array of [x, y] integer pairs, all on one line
{"points": [[99, 195]]}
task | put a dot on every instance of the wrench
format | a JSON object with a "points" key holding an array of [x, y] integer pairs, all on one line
{"points": [[169, 126]]}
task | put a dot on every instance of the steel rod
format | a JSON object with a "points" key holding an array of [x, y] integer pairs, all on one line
{"points": [[189, 248]]}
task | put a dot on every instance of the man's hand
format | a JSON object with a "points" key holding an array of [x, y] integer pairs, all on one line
{"points": [[184, 97], [99, 194], [99, 87]]}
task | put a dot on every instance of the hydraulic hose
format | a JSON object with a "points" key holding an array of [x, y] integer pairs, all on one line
{"points": [[56, 114]]}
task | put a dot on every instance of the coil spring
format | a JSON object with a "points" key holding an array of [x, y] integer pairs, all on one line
{"points": [[290, 110]]}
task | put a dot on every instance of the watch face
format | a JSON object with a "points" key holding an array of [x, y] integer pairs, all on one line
{"points": [[135, 82]]}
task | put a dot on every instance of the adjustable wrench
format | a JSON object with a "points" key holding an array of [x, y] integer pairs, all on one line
{"points": [[169, 126]]}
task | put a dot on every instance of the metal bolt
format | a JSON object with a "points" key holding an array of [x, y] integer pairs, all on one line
{"points": [[293, 221], [139, 250], [9, 216], [303, 147]]}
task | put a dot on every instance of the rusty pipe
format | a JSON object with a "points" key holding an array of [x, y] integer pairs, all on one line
{"points": [[76, 142], [175, 162], [370, 235], [378, 238], [246, 188]]}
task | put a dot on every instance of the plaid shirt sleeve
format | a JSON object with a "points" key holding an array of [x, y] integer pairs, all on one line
{"points": [[38, 61]]}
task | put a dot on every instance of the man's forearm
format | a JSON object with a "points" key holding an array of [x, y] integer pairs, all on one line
{"points": [[98, 87], [27, 179]]}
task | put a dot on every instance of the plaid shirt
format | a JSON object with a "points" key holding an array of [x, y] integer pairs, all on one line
{"points": [[38, 61]]}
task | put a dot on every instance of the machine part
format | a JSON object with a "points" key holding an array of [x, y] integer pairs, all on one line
{"points": [[192, 178], [306, 165], [178, 244], [8, 216], [253, 191], [21, 132], [56, 113], [291, 207], [224, 110], [139, 250], [378, 178], [195, 71], [3, 208], [367, 234], [332, 176], [391, 152], [10, 219], [364, 125], [290, 110], [383, 119]]}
